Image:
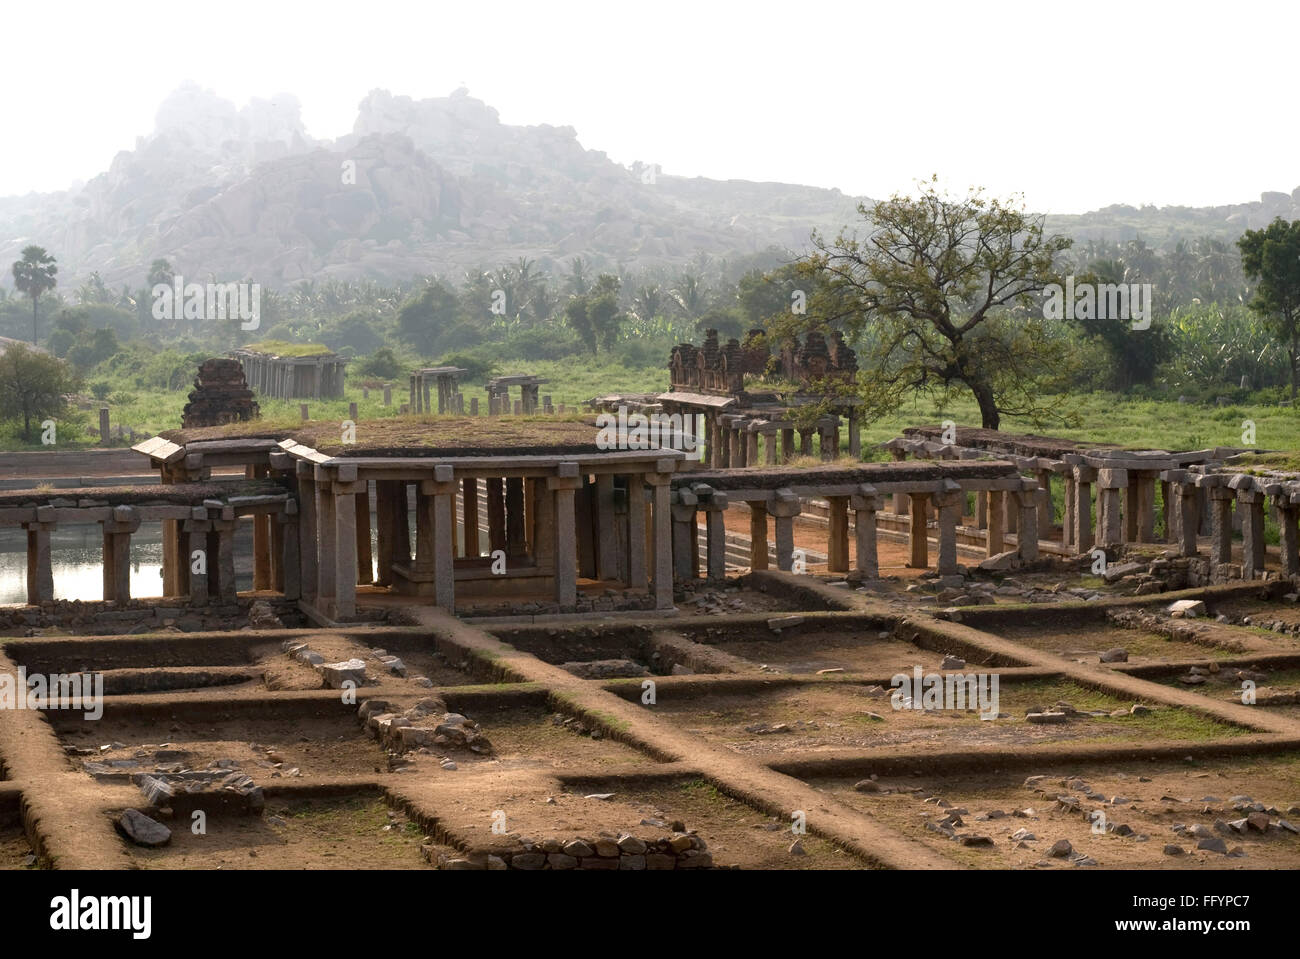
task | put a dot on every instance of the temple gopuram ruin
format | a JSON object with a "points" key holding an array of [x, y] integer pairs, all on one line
{"points": [[220, 396], [714, 382]]}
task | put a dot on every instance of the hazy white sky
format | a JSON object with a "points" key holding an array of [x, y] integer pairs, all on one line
{"points": [[1076, 106]]}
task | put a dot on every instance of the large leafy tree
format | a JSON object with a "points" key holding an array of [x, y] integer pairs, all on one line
{"points": [[34, 275], [942, 296], [426, 317], [1271, 257], [32, 385]]}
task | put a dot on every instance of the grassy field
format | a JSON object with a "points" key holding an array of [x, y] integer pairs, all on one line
{"points": [[1103, 417]]}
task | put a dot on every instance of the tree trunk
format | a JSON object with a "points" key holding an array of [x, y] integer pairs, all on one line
{"points": [[989, 417], [34, 320]]}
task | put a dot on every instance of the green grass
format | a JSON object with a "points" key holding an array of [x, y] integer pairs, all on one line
{"points": [[283, 348], [1103, 417], [1163, 722]]}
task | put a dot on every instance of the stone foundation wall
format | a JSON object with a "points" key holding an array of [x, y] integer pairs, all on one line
{"points": [[97, 618], [679, 850]]}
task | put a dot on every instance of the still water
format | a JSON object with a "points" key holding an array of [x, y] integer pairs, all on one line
{"points": [[76, 553]]}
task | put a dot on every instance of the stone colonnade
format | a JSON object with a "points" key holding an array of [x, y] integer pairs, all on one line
{"points": [[435, 390], [524, 527], [293, 377], [947, 495], [198, 539]]}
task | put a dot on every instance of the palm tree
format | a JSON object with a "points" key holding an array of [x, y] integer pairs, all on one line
{"points": [[34, 275]]}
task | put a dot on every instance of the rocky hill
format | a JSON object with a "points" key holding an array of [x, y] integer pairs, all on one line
{"points": [[418, 187], [437, 186]]}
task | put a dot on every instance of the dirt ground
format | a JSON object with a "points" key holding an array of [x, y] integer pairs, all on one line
{"points": [[1148, 798], [736, 835], [15, 850], [1087, 641], [353, 833], [851, 716], [850, 650]]}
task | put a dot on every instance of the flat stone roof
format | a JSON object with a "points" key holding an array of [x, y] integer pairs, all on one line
{"points": [[903, 471], [411, 436], [191, 494], [1023, 444]]}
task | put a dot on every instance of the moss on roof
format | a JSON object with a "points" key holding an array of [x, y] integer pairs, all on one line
{"points": [[420, 435]]}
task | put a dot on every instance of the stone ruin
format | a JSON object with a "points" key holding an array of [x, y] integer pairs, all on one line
{"points": [[220, 395], [714, 368]]}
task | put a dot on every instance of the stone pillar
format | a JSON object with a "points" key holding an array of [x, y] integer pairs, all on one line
{"points": [[325, 540], [784, 507], [290, 579], [637, 577], [864, 506], [837, 546], [685, 534], [469, 513], [197, 531], [981, 509], [1288, 522], [1045, 511], [117, 553], [662, 544], [769, 448], [949, 503], [900, 499], [385, 493], [806, 441], [401, 523], [221, 560], [758, 534], [496, 510], [737, 446], [607, 558], [1010, 512], [993, 540], [40, 571], [306, 474], [365, 558], [855, 435], [345, 556], [277, 551], [1110, 484], [443, 501], [715, 535], [1221, 498], [918, 543], [1082, 538], [261, 538], [788, 451], [1187, 517], [1168, 511], [1027, 538], [1251, 503], [751, 447], [1067, 513], [1145, 488], [1131, 496], [830, 441]]}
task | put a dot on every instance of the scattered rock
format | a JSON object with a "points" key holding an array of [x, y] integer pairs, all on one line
{"points": [[142, 830]]}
